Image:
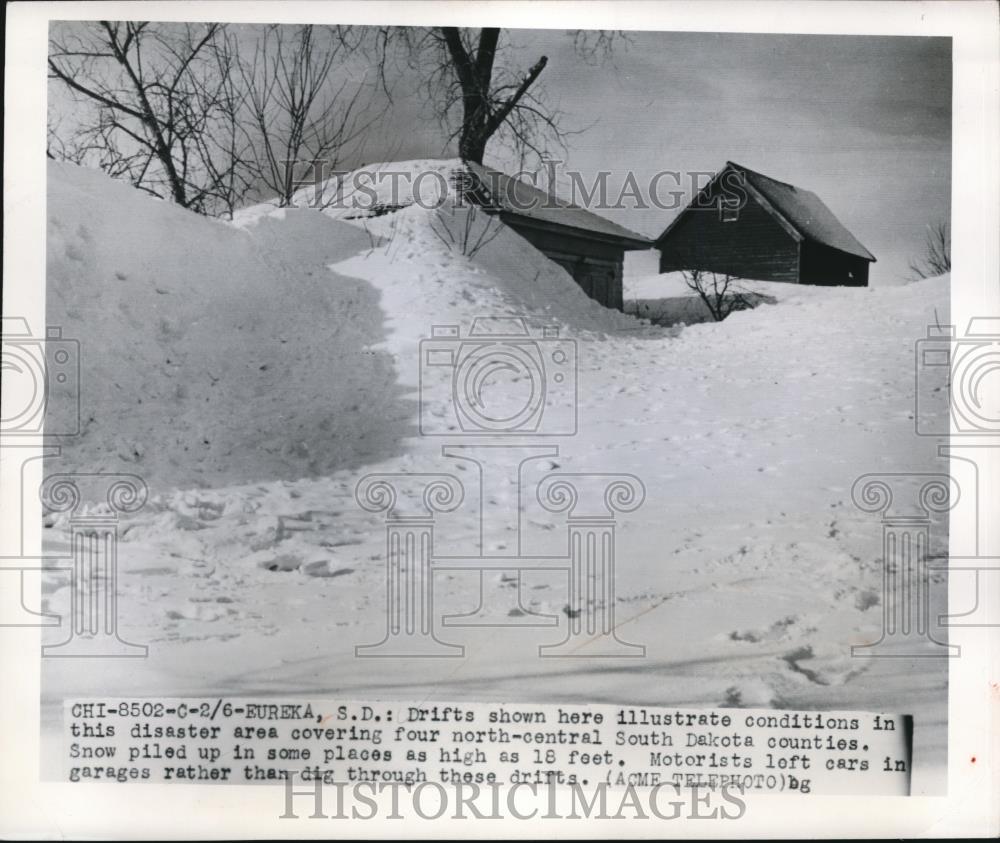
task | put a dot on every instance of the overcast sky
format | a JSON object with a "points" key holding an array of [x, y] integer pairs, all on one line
{"points": [[865, 122]]}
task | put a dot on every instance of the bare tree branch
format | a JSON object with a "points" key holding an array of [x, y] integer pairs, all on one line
{"points": [[161, 107], [719, 293], [936, 259], [474, 87], [296, 114]]}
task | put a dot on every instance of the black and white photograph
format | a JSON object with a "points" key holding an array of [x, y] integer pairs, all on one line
{"points": [[412, 397]]}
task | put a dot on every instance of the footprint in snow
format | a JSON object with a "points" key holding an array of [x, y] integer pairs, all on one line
{"points": [[777, 631], [753, 693], [325, 568], [826, 668]]}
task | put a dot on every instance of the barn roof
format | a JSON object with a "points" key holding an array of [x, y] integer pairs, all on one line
{"points": [[806, 212], [801, 210], [517, 198]]}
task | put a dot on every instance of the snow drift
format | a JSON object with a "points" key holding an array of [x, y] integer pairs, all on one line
{"points": [[219, 354], [280, 353]]}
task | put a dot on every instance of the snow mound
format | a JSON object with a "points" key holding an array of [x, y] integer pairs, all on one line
{"points": [[222, 355], [372, 190], [667, 300], [280, 346], [436, 259], [665, 285], [209, 355]]}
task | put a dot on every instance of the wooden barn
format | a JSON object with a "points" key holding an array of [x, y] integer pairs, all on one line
{"points": [[589, 247], [748, 225]]}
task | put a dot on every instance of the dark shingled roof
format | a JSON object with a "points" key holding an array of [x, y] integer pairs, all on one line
{"points": [[517, 198], [805, 212]]}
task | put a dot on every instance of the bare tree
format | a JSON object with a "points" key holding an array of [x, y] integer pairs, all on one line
{"points": [[173, 108], [296, 112], [465, 230], [472, 73], [721, 294], [599, 46], [486, 106], [228, 149], [157, 96], [936, 259], [61, 145]]}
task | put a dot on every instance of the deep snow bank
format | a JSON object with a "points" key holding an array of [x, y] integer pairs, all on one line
{"points": [[436, 259], [666, 299], [280, 346], [210, 356], [748, 573]]}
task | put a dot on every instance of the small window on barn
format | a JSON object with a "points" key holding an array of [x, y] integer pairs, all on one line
{"points": [[729, 210]]}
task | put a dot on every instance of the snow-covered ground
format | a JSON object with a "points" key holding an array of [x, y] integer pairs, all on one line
{"points": [[668, 300], [253, 372]]}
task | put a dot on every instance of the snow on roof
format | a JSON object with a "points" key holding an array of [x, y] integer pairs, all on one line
{"points": [[521, 199], [390, 185], [805, 211]]}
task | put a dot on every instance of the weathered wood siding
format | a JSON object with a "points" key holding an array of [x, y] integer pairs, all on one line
{"points": [[830, 267], [595, 265], [753, 246], [600, 279]]}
